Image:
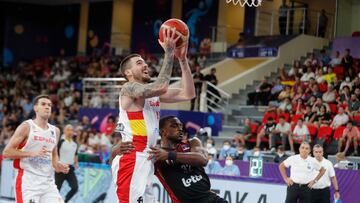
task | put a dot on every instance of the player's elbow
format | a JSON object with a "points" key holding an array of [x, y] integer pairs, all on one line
{"points": [[6, 153]]}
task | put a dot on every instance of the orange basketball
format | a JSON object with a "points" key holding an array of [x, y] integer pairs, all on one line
{"points": [[181, 29]]}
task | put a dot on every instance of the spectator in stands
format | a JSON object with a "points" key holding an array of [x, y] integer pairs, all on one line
{"points": [[330, 95], [355, 83], [281, 133], [307, 75], [276, 88], [316, 91], [210, 147], [322, 118], [324, 57], [353, 106], [342, 162], [201, 59], [283, 13], [230, 169], [280, 154], [294, 70], [311, 101], [267, 130], [344, 96], [311, 61], [286, 92], [308, 115], [299, 95], [340, 119], [323, 20], [198, 78], [318, 104], [319, 75], [82, 139], [346, 83], [284, 106], [301, 132], [243, 136], [85, 123], [335, 61], [213, 80], [213, 166], [330, 77], [350, 134], [347, 62], [227, 150], [256, 151], [242, 153], [261, 94]]}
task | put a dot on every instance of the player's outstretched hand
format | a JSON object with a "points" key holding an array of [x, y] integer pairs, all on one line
{"points": [[158, 154], [61, 168], [170, 39]]}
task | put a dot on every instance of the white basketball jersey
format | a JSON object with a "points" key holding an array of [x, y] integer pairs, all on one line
{"points": [[37, 139], [141, 127]]}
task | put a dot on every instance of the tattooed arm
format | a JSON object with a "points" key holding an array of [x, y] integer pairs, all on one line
{"points": [[161, 84], [187, 90]]}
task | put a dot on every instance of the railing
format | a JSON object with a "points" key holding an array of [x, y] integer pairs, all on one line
{"points": [[214, 99], [267, 22], [107, 90]]}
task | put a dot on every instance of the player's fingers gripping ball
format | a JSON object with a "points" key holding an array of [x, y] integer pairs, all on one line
{"points": [[180, 28]]}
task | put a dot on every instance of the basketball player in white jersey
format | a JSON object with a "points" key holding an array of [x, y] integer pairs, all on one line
{"points": [[33, 148], [139, 115]]}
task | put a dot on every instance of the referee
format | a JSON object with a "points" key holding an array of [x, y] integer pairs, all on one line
{"points": [[301, 180], [67, 150], [321, 190]]}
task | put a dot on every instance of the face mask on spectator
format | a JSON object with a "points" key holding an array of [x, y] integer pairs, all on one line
{"points": [[325, 69], [210, 161], [208, 145], [226, 147], [229, 162], [347, 79], [257, 153]]}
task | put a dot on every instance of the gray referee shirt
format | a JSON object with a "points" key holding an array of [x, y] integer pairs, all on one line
{"points": [[67, 151]]}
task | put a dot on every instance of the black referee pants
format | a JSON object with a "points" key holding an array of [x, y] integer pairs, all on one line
{"points": [[299, 192], [71, 179], [320, 195]]}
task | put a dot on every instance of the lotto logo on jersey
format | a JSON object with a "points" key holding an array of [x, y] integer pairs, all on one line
{"points": [[192, 179]]}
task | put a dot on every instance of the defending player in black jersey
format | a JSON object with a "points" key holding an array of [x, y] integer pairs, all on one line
{"points": [[179, 165]]}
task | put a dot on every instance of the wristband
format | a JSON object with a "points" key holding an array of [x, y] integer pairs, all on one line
{"points": [[337, 190], [172, 156]]}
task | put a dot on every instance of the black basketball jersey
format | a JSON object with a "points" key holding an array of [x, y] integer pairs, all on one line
{"points": [[184, 183]]}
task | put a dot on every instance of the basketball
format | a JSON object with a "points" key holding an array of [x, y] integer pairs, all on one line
{"points": [[181, 29]]}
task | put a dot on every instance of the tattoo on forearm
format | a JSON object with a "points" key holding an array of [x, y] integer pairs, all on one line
{"points": [[134, 89]]}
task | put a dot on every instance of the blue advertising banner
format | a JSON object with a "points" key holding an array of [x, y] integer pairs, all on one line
{"points": [[252, 52]]}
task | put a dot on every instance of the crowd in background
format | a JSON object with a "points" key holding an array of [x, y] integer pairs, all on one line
{"points": [[61, 78]]}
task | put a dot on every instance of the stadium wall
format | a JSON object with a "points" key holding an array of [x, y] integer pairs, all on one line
{"points": [[294, 49]]}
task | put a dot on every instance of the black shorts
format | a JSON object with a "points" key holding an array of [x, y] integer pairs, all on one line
{"points": [[211, 198]]}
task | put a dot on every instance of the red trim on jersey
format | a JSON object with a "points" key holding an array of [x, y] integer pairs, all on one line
{"points": [[139, 142], [16, 163], [18, 186], [125, 172], [166, 186], [135, 115]]}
